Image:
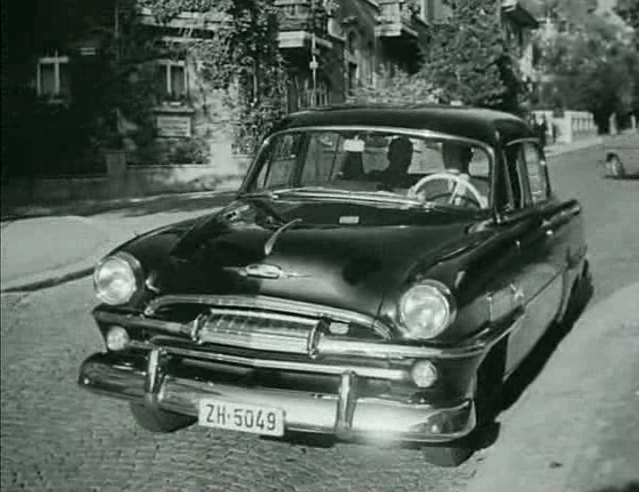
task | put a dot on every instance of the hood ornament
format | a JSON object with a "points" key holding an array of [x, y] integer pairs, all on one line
{"points": [[270, 243], [264, 270]]}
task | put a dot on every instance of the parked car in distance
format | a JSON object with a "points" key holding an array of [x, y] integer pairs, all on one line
{"points": [[621, 153], [381, 273]]}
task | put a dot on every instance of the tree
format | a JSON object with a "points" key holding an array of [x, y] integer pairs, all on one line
{"points": [[467, 58], [239, 64], [395, 88], [628, 10], [592, 68]]}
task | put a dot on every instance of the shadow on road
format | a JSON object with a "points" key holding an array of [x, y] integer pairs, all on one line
{"points": [[629, 487], [624, 178]]}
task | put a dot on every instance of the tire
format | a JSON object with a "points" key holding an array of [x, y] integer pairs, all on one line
{"points": [[580, 294], [489, 395], [488, 403], [616, 167], [158, 420]]}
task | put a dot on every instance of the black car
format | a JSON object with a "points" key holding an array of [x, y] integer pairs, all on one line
{"points": [[380, 274]]}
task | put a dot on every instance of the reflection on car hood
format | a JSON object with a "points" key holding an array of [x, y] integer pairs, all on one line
{"points": [[345, 255]]}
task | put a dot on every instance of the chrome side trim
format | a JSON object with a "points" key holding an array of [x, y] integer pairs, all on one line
{"points": [[272, 304]]}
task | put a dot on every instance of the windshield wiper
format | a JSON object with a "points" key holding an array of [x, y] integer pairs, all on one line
{"points": [[382, 196], [356, 195]]}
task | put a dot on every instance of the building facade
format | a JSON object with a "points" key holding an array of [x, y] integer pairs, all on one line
{"points": [[54, 74]]}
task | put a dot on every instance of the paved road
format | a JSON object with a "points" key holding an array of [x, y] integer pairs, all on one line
{"points": [[55, 436]]}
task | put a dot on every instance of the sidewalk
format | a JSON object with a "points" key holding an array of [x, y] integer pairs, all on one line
{"points": [[48, 246], [576, 427], [561, 148]]}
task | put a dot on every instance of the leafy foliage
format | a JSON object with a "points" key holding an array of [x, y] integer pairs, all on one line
{"points": [[467, 58], [628, 10], [592, 68], [241, 63], [395, 88]]}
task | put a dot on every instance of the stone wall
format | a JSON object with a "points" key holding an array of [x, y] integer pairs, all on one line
{"points": [[569, 126], [124, 182]]}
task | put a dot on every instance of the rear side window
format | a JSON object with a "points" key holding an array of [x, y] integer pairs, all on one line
{"points": [[536, 171], [527, 175]]}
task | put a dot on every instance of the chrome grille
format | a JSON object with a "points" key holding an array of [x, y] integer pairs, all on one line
{"points": [[256, 330]]}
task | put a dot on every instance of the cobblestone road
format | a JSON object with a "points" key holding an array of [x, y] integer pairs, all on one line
{"points": [[58, 437]]}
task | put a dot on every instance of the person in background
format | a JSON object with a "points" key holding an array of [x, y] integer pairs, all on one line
{"points": [[543, 130]]}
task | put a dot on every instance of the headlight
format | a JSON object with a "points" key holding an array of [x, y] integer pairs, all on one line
{"points": [[426, 309], [117, 278]]}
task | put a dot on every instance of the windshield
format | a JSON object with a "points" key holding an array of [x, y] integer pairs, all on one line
{"points": [[445, 171]]}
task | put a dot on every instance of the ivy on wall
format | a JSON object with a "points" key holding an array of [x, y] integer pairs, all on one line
{"points": [[239, 65]]}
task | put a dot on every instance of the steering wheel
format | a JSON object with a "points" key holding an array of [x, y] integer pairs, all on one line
{"points": [[460, 186]]}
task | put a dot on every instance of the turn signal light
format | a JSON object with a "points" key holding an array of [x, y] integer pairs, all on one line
{"points": [[424, 373], [117, 338]]}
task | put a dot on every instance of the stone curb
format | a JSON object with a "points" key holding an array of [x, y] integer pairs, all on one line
{"points": [[48, 279], [59, 275], [92, 207]]}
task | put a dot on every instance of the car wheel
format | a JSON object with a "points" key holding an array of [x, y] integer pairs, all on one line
{"points": [[158, 420], [616, 167], [489, 395], [488, 403], [580, 294]]}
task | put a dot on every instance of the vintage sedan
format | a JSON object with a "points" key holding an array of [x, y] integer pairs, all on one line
{"points": [[380, 274], [621, 153]]}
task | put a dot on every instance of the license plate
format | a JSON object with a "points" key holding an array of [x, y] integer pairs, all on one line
{"points": [[240, 417]]}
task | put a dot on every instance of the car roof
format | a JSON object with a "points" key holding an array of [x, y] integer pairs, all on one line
{"points": [[486, 125]]}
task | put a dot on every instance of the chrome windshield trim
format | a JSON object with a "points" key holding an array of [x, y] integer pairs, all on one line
{"points": [[415, 132], [269, 303]]}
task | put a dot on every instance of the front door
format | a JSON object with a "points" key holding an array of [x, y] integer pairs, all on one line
{"points": [[540, 279]]}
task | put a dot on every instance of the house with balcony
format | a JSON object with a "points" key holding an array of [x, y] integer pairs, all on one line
{"points": [[332, 49], [62, 49]]}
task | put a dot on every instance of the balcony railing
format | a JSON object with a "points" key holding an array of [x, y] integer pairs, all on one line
{"points": [[398, 17], [298, 15]]}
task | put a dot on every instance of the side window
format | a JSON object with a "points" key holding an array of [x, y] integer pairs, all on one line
{"points": [[537, 176], [282, 160], [516, 183], [320, 158]]}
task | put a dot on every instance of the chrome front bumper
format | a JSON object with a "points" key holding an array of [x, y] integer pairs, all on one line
{"points": [[344, 414]]}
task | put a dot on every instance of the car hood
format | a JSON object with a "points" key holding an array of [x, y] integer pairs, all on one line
{"points": [[344, 255]]}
